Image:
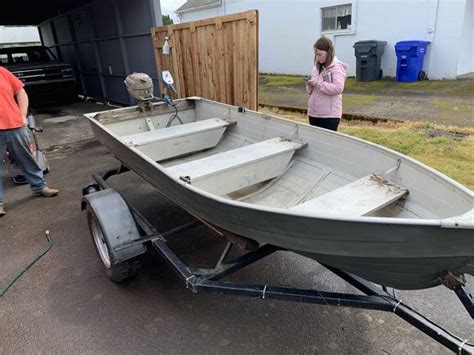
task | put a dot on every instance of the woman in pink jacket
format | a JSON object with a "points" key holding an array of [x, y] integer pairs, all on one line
{"points": [[326, 86]]}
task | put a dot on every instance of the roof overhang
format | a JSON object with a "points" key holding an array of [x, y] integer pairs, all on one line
{"points": [[34, 12], [183, 9]]}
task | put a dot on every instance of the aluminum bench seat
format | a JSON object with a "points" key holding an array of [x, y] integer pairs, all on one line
{"points": [[359, 198], [236, 169], [166, 143]]}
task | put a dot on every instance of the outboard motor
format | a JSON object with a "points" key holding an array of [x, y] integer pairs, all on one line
{"points": [[140, 86]]}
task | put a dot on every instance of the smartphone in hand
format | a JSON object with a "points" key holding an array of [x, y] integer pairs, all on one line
{"points": [[327, 77]]}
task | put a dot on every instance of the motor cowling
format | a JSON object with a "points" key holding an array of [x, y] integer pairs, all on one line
{"points": [[139, 86]]}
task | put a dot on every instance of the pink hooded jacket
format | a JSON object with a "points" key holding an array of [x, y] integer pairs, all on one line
{"points": [[325, 98]]}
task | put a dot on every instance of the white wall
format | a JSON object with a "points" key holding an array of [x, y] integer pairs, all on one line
{"points": [[447, 39], [18, 34], [288, 30], [466, 53]]}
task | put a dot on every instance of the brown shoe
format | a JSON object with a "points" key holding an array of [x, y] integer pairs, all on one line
{"points": [[46, 192], [2, 211]]}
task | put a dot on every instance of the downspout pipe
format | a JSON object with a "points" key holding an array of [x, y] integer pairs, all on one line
{"points": [[431, 31]]}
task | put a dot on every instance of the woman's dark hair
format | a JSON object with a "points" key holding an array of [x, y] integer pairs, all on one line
{"points": [[324, 44]]}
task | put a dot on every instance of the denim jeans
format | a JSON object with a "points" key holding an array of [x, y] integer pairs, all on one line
{"points": [[18, 141]]}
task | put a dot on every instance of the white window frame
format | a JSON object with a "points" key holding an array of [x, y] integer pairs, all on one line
{"points": [[348, 31]]}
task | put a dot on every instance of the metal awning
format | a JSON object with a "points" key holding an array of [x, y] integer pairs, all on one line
{"points": [[34, 12]]}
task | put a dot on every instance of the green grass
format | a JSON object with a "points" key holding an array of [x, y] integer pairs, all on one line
{"points": [[447, 102], [358, 100], [448, 88], [281, 80], [434, 145], [446, 107], [377, 86], [450, 156]]}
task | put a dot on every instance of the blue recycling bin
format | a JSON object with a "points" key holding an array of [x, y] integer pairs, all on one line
{"points": [[410, 56]]}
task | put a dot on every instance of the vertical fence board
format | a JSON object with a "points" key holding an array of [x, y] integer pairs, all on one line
{"points": [[204, 62], [254, 54], [221, 59], [197, 72], [214, 58], [188, 67], [238, 63], [229, 61]]}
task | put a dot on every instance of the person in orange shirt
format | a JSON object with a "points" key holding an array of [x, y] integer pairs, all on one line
{"points": [[14, 135]]}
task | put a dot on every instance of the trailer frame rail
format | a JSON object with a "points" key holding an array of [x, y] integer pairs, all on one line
{"points": [[209, 280]]}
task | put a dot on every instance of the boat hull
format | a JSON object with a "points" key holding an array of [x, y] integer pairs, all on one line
{"points": [[330, 241], [403, 255]]}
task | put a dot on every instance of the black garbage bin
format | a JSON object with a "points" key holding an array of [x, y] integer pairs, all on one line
{"points": [[369, 55]]}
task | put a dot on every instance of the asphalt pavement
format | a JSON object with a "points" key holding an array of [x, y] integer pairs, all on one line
{"points": [[66, 304]]}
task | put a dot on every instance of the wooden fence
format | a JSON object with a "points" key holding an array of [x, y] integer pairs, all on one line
{"points": [[215, 58]]}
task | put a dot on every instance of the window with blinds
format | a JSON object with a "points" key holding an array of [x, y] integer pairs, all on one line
{"points": [[336, 18]]}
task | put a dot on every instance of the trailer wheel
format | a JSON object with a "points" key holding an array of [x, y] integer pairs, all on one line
{"points": [[113, 231], [117, 272]]}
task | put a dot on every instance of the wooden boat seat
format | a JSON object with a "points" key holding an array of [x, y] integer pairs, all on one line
{"points": [[358, 198], [166, 143], [236, 169]]}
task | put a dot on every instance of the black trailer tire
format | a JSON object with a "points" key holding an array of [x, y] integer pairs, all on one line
{"points": [[116, 271]]}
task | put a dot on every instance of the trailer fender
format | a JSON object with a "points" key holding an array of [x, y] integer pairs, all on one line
{"points": [[109, 214]]}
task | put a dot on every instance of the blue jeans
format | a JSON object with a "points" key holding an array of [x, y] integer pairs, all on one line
{"points": [[18, 141]]}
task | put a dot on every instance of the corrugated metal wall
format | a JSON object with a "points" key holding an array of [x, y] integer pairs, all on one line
{"points": [[105, 41]]}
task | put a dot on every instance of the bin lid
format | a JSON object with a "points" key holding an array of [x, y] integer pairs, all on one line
{"points": [[406, 45], [369, 44]]}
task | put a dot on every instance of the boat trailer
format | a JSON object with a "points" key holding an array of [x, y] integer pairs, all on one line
{"points": [[121, 234]]}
